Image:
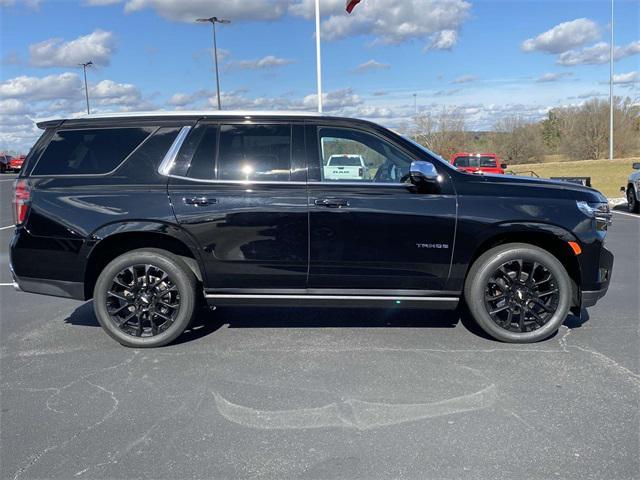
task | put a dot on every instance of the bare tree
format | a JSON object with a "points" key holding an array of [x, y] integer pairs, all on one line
{"points": [[516, 140], [443, 132]]}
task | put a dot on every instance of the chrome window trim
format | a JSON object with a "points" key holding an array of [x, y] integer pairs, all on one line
{"points": [[237, 182], [359, 184], [170, 157]]}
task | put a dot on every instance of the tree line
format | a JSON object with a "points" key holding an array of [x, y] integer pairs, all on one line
{"points": [[575, 132]]}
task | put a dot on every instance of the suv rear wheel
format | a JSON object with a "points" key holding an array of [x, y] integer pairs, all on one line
{"points": [[145, 298], [518, 293]]}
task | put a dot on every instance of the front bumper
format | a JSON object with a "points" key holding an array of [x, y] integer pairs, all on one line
{"points": [[605, 269]]}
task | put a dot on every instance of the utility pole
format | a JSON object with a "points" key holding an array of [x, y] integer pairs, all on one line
{"points": [[415, 104], [318, 57], [86, 87], [611, 89], [213, 21]]}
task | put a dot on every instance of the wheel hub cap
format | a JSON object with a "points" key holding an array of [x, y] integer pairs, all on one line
{"points": [[143, 300]]}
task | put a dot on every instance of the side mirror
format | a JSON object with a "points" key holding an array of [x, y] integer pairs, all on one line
{"points": [[636, 166], [423, 172], [503, 166]]}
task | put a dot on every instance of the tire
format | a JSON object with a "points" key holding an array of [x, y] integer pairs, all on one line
{"points": [[513, 275], [154, 288], [632, 203]]}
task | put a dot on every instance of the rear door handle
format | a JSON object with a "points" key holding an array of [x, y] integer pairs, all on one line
{"points": [[200, 201], [331, 202]]}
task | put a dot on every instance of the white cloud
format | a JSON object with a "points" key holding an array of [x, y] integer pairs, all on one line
{"points": [[371, 65], [189, 10], [443, 40], [333, 100], [34, 4], [97, 47], [563, 37], [465, 79], [65, 85], [625, 78], [553, 77], [390, 21], [447, 93], [182, 99], [267, 62], [597, 54]]}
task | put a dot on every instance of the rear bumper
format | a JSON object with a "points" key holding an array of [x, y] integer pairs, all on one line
{"points": [[56, 288]]}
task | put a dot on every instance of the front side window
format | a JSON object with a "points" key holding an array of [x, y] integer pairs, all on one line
{"points": [[254, 153], [355, 156], [90, 151]]}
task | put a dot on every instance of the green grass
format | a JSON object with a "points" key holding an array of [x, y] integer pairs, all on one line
{"points": [[606, 175]]}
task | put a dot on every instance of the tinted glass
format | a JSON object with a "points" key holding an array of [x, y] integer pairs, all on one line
{"points": [[255, 152], [474, 161], [90, 151], [383, 162], [204, 155]]}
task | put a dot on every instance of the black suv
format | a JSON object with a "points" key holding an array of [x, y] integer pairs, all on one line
{"points": [[153, 214]]}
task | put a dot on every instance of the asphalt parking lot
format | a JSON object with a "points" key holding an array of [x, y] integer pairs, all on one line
{"points": [[333, 393]]}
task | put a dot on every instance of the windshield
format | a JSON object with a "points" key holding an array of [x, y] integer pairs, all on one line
{"points": [[344, 161], [474, 161]]}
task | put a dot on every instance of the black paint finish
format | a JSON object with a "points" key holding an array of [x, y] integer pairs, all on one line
{"points": [[303, 235]]}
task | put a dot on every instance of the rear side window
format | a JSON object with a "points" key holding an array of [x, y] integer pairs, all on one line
{"points": [[255, 152], [90, 151]]}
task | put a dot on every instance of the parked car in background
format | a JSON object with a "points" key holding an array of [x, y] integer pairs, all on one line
{"points": [[4, 162], [478, 163], [633, 189], [15, 164], [346, 167], [154, 214]]}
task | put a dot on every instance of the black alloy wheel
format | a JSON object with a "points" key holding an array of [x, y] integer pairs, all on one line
{"points": [[145, 298], [518, 293], [521, 295]]}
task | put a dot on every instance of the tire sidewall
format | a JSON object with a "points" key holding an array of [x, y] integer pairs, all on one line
{"points": [[632, 202], [486, 265], [179, 273]]}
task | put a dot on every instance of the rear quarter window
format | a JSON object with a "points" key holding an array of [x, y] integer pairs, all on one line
{"points": [[89, 151]]}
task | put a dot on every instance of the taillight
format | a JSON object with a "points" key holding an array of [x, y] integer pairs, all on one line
{"points": [[21, 200]]}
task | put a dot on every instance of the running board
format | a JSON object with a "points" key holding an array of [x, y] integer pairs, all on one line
{"points": [[432, 303]]}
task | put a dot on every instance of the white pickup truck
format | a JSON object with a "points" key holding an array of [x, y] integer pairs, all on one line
{"points": [[346, 167], [633, 189]]}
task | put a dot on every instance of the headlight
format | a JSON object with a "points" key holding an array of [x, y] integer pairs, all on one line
{"points": [[598, 210]]}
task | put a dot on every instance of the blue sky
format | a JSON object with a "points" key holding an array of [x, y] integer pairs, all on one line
{"points": [[487, 58]]}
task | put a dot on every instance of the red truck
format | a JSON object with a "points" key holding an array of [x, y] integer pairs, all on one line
{"points": [[478, 163], [15, 164]]}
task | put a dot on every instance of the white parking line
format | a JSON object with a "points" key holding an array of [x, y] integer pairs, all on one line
{"points": [[627, 214], [7, 227], [6, 284], [7, 180]]}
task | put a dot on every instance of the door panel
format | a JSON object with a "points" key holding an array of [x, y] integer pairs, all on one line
{"points": [[373, 231], [251, 237], [387, 237], [250, 216]]}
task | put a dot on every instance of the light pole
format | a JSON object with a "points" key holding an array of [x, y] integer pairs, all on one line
{"points": [[86, 87], [213, 21], [415, 104], [611, 89], [318, 57]]}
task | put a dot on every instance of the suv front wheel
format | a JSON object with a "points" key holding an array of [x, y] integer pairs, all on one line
{"points": [[632, 203], [145, 298], [518, 293]]}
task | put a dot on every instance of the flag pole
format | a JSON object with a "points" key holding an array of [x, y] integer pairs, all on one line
{"points": [[611, 89], [318, 58]]}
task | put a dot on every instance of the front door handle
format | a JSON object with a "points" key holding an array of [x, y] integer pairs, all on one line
{"points": [[200, 201], [331, 202]]}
